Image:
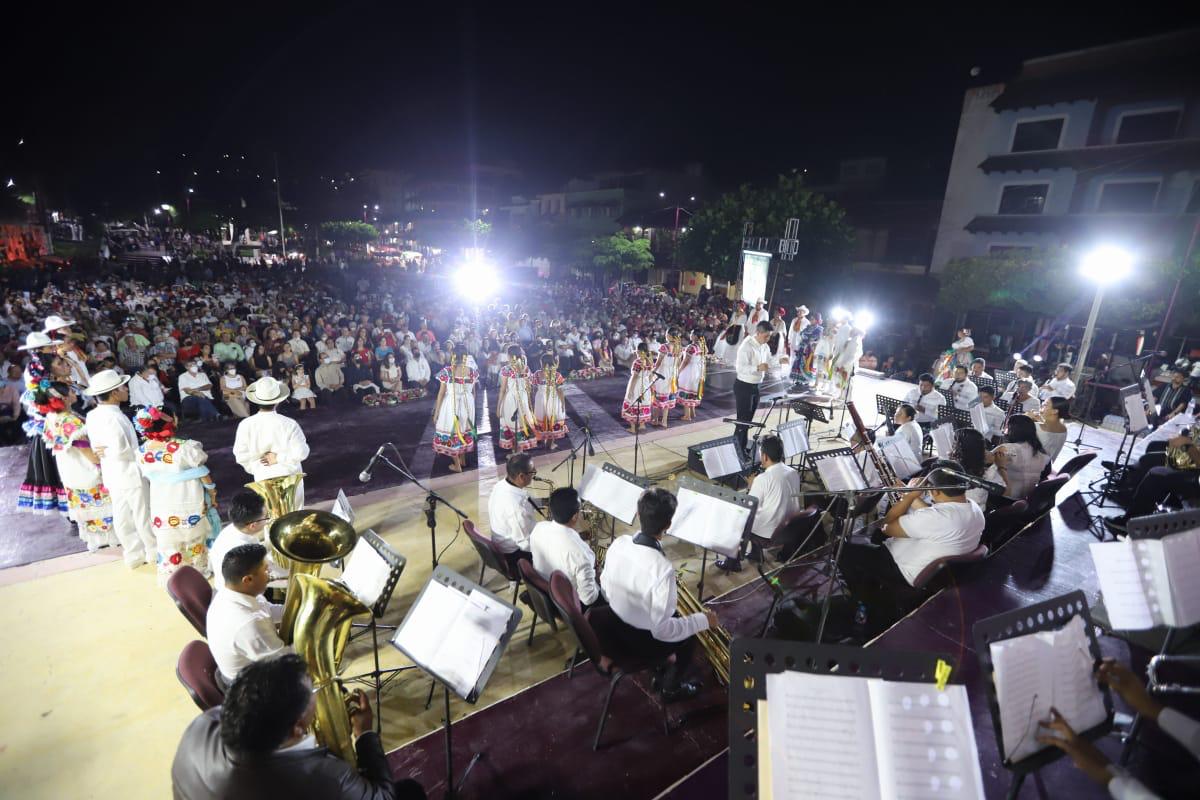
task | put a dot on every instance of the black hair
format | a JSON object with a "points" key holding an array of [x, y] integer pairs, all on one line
{"points": [[103, 397], [772, 448], [979, 361], [923, 377], [515, 351], [241, 561], [957, 367], [1025, 367], [43, 396], [264, 704], [763, 327], [941, 480], [246, 507], [1064, 365], [731, 333], [987, 390], [643, 347], [907, 408], [564, 504], [517, 465], [970, 448], [1021, 428], [1062, 407], [547, 360], [656, 507]]}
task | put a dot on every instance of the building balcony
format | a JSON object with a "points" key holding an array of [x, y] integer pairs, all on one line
{"points": [[1175, 154], [1083, 225]]}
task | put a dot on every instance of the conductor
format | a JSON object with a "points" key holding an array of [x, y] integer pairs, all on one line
{"points": [[752, 362]]}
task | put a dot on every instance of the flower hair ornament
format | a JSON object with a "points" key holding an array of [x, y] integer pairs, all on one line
{"points": [[147, 418]]}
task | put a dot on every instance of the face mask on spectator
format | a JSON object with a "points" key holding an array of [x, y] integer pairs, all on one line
{"points": [[193, 369]]}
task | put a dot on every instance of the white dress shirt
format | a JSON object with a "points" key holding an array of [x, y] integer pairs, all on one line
{"points": [[912, 434], [270, 432], [510, 517], [931, 403], [1024, 469], [993, 415], [939, 530], [1056, 388], [558, 548], [778, 493], [417, 368], [230, 537], [749, 355], [639, 582], [963, 393], [241, 630], [1179, 727], [108, 428], [189, 381], [145, 393]]}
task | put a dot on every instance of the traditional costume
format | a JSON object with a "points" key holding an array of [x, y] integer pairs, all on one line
{"points": [[691, 375], [518, 425], [666, 388], [548, 407], [270, 432], [454, 428], [88, 503], [803, 356], [847, 358], [42, 491], [636, 405]]}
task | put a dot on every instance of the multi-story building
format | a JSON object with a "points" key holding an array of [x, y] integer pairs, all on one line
{"points": [[1098, 145]]}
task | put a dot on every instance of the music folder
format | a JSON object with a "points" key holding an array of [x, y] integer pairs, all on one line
{"points": [[612, 492], [1150, 582], [712, 517], [366, 574]]}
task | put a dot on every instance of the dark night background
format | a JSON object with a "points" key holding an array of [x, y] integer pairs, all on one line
{"points": [[106, 98]]}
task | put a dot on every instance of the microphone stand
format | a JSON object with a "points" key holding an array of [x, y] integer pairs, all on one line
{"points": [[637, 431], [586, 444], [432, 498]]}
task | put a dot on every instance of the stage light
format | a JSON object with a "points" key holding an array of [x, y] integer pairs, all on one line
{"points": [[1017, 357], [476, 280], [1037, 359], [838, 314], [1106, 264], [864, 318]]}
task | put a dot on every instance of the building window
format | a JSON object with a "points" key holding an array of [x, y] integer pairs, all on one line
{"points": [[1193, 206], [1024, 198], [1038, 134], [1151, 126], [1127, 197]]}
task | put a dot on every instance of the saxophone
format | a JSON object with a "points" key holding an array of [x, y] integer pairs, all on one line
{"points": [[715, 641], [1181, 457]]}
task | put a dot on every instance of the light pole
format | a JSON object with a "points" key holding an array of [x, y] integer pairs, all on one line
{"points": [[1103, 266]]}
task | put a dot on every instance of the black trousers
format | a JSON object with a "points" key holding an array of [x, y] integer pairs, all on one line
{"points": [[1158, 483], [746, 396], [871, 573], [617, 635]]}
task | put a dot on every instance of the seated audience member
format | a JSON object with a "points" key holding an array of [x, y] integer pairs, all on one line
{"points": [[777, 488], [925, 399], [248, 521], [557, 546], [1019, 463], [241, 623], [510, 508], [259, 744], [195, 393], [331, 381], [639, 582], [917, 535]]}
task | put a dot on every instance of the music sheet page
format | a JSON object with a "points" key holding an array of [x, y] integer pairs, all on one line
{"points": [[822, 743], [1135, 412], [904, 462], [709, 522], [1024, 685], [924, 741], [721, 460], [1076, 693], [366, 574], [1121, 585], [795, 441], [943, 440], [469, 642], [427, 622], [610, 494], [1181, 556], [840, 473]]}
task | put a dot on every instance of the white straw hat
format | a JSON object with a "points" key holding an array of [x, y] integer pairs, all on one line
{"points": [[54, 322], [36, 341], [105, 381], [267, 392]]}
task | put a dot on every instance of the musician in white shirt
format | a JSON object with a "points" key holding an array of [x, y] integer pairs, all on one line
{"points": [[979, 370], [1023, 372], [777, 488], [1024, 401], [925, 399], [248, 521], [510, 509], [241, 625], [907, 428], [961, 390], [993, 414], [268, 444], [557, 547], [1060, 385], [639, 583], [753, 361]]}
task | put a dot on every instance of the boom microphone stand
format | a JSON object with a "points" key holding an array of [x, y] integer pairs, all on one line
{"points": [[574, 454], [432, 498]]}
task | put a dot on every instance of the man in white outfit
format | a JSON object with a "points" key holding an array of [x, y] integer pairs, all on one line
{"points": [[268, 444], [113, 439]]}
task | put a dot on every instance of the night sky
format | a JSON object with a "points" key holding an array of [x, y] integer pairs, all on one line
{"points": [[112, 97]]}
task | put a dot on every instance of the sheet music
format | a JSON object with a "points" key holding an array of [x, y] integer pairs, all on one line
{"points": [[607, 492], [925, 741], [1076, 694], [840, 474], [427, 622], [822, 745], [342, 508], [870, 474], [1181, 557], [943, 440], [721, 460], [709, 522], [795, 441], [1121, 585], [366, 574], [898, 453], [979, 418], [1135, 412]]}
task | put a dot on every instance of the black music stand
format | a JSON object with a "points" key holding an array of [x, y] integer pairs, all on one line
{"points": [[751, 660], [958, 416], [726, 495], [1003, 377], [1099, 496], [1045, 616], [886, 407], [381, 678], [811, 413], [724, 441], [448, 577]]}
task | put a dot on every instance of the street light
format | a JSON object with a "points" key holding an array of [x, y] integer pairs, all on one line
{"points": [[1104, 265], [662, 194]]}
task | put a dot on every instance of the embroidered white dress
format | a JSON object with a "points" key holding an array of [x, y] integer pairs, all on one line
{"points": [[178, 504]]}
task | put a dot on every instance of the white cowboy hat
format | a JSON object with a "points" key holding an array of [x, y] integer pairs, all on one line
{"points": [[267, 392], [105, 381], [54, 322], [36, 341]]}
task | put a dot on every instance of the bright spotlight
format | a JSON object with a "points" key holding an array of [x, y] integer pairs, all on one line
{"points": [[1017, 356], [476, 280], [864, 318], [838, 314], [1106, 264], [1037, 359]]}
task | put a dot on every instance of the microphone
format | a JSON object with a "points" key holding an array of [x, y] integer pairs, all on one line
{"points": [[365, 475], [660, 375], [587, 428], [978, 483]]}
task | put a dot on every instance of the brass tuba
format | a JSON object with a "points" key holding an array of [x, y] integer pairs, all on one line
{"points": [[279, 496], [307, 539], [715, 641]]}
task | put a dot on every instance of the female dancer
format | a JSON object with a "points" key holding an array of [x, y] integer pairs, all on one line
{"points": [[454, 409], [518, 426], [635, 409], [1051, 431], [65, 435], [666, 387], [549, 405], [42, 492], [691, 376], [183, 498]]}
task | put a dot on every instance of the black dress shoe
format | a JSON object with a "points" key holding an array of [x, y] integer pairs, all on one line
{"points": [[729, 565], [685, 691]]}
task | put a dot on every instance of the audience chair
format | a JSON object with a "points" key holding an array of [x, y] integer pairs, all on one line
{"points": [[607, 661], [538, 597], [192, 594], [197, 671], [1003, 523], [491, 557]]}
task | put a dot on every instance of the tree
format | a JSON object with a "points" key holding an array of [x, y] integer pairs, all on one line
{"points": [[713, 241], [348, 234], [621, 253]]}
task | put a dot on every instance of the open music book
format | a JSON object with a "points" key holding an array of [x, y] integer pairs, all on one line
{"points": [[1042, 670], [943, 439], [1150, 582], [452, 634], [721, 460], [795, 440], [979, 418], [834, 736], [366, 573], [610, 494], [841, 473], [896, 450], [709, 522]]}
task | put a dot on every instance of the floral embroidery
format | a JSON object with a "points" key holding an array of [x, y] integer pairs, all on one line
{"points": [[176, 558]]}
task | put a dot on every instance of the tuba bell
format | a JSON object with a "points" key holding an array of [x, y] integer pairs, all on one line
{"points": [[1180, 457], [279, 497], [307, 539]]}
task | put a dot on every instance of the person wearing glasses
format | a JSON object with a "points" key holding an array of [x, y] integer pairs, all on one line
{"points": [[511, 514], [247, 525], [242, 625]]}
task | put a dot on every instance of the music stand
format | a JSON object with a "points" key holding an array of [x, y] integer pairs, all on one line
{"points": [[725, 454], [811, 412], [683, 525], [453, 581], [394, 564], [815, 456], [614, 491], [1003, 377], [794, 438], [751, 660], [959, 417], [1134, 413], [1045, 616], [886, 407]]}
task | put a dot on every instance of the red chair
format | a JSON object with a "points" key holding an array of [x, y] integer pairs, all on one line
{"points": [[192, 594], [1001, 524], [607, 661], [197, 671], [539, 597], [491, 557]]}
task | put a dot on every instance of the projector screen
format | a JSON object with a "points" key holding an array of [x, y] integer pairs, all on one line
{"points": [[755, 266]]}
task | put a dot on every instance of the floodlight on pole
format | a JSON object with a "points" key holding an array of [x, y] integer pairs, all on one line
{"points": [[1104, 265]]}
